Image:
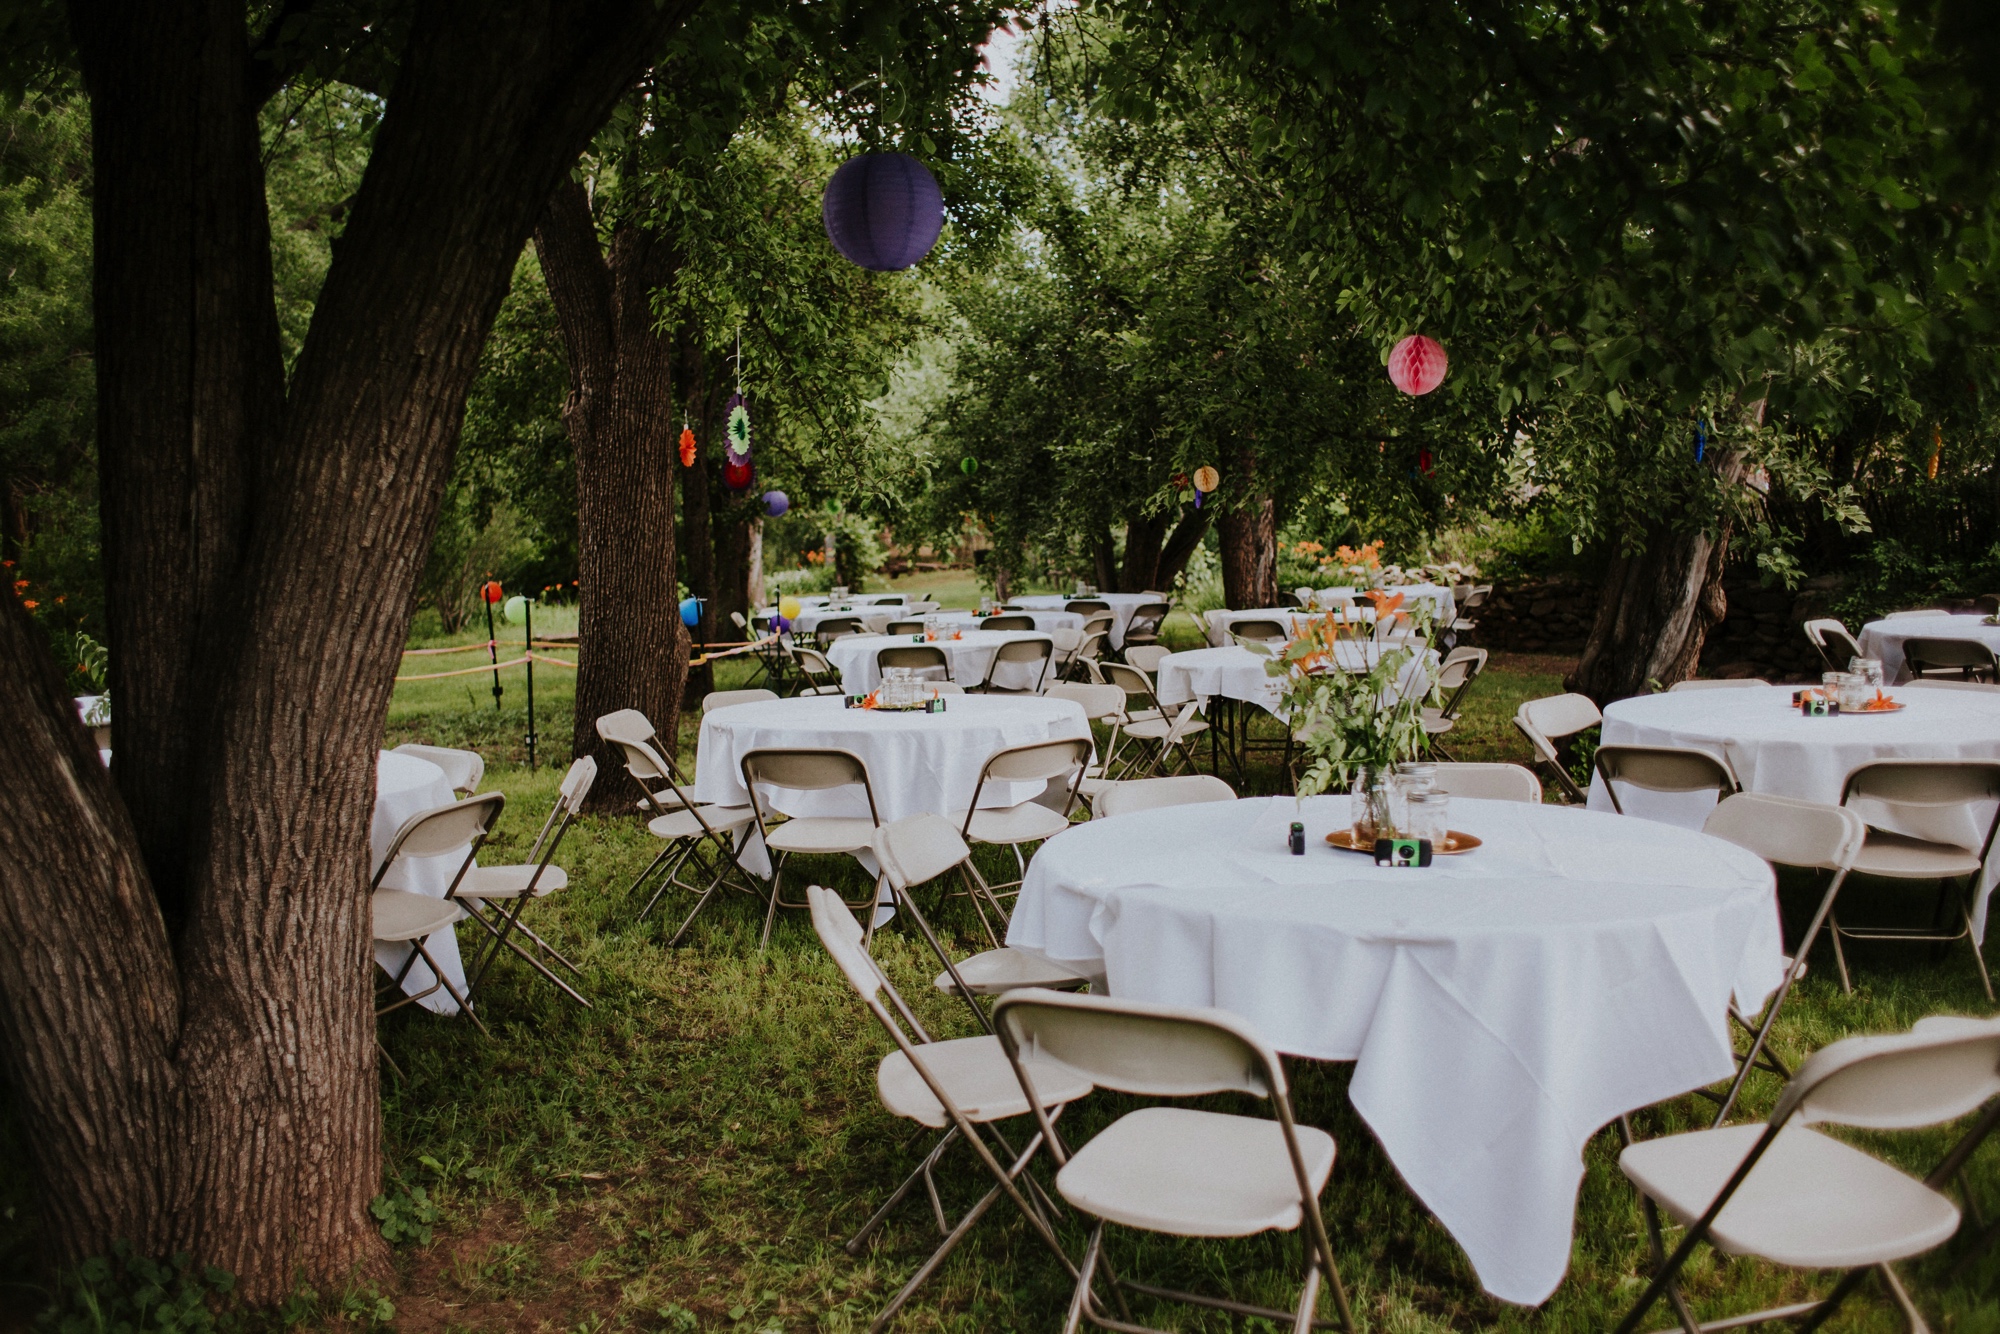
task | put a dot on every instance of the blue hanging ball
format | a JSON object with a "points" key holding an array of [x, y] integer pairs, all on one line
{"points": [[776, 503], [883, 211], [691, 612]]}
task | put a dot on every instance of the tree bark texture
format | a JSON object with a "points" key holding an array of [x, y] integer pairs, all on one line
{"points": [[1180, 547], [1248, 531], [701, 413], [632, 648], [204, 1078], [1143, 535], [1655, 610]]}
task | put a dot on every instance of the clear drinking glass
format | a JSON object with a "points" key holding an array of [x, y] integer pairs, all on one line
{"points": [[1429, 816], [1854, 692], [1869, 670]]}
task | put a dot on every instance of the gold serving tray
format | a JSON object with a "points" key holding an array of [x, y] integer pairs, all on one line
{"points": [[1455, 842]]}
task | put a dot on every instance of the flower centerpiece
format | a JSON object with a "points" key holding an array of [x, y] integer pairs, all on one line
{"points": [[1360, 566], [1355, 719]]}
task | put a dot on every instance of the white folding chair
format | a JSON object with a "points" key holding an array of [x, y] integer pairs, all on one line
{"points": [[817, 676], [1175, 1170], [1830, 639], [921, 848], [1158, 732], [1031, 655], [632, 725], [1962, 659], [405, 917], [1101, 704], [1146, 657], [1920, 786], [1488, 782], [1933, 683], [1271, 634], [1058, 767], [1664, 769], [836, 627], [1785, 1193], [1460, 668], [958, 1085], [1547, 721], [928, 660], [1147, 618], [463, 769], [695, 834], [1149, 794], [1785, 832], [814, 835], [495, 896], [1013, 621], [723, 699], [1718, 683], [914, 626]]}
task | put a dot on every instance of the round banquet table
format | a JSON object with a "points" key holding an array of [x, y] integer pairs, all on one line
{"points": [[970, 654], [917, 762], [1500, 1006], [1443, 601], [1222, 624], [1236, 672], [406, 786], [1884, 639], [1122, 606], [1775, 749]]}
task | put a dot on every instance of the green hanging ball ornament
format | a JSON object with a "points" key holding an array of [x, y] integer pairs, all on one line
{"points": [[516, 609], [968, 465]]}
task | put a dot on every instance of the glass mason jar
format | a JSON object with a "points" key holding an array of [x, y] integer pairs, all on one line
{"points": [[1372, 806]]}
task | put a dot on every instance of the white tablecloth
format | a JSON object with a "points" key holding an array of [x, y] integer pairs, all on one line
{"points": [[1442, 600], [1884, 639], [970, 655], [1236, 672], [1501, 1006], [1220, 622], [1775, 749], [858, 599], [405, 786], [1122, 606], [1044, 620], [916, 762]]}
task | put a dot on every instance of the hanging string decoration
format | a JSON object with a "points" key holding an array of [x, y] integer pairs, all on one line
{"points": [[968, 465], [1426, 462], [687, 447], [883, 211], [1206, 479], [736, 470], [1700, 439], [1937, 449], [1417, 364], [776, 503], [691, 612]]}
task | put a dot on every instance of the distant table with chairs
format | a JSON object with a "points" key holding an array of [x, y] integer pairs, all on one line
{"points": [[917, 762], [968, 656], [405, 786], [1444, 603], [1044, 620], [1500, 1005], [1220, 623], [1122, 606], [1885, 639], [873, 617], [1774, 749]]}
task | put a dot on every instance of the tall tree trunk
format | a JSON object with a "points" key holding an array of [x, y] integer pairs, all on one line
{"points": [[1655, 609], [1103, 561], [1248, 529], [212, 1087], [732, 526], [632, 650], [1143, 533], [1180, 547]]}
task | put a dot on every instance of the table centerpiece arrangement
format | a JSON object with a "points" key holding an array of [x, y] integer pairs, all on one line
{"points": [[1357, 726]]}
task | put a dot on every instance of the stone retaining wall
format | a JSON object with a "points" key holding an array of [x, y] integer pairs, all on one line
{"points": [[1762, 633]]}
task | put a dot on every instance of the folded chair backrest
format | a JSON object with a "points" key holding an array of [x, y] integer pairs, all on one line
{"points": [[1167, 1051], [1020, 621], [722, 699], [842, 936], [1551, 719], [1148, 794], [1666, 768], [1455, 672], [1488, 781], [645, 764], [1065, 640], [1023, 651], [1130, 680], [443, 829], [1787, 831], [913, 627], [890, 600], [1097, 701], [805, 770], [1094, 643], [1833, 641], [625, 725], [576, 784], [918, 656], [1258, 629], [1946, 654], [1897, 1081], [1146, 618], [1304, 594], [1037, 761], [1085, 606], [918, 848], [1146, 657], [1098, 622], [1925, 782]]}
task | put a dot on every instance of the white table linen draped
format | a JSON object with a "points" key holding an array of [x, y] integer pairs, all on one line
{"points": [[1443, 601], [874, 619], [1220, 624], [1884, 639], [1775, 749], [969, 655], [1122, 606], [1500, 1006], [1236, 672], [406, 786]]}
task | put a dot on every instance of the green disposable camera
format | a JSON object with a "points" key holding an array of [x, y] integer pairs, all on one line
{"points": [[1402, 852]]}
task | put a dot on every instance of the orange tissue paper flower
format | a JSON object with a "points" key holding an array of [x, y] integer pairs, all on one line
{"points": [[30, 604], [687, 447]]}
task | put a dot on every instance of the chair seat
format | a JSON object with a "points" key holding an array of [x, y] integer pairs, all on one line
{"points": [[1156, 729], [510, 882], [663, 800], [1436, 724], [1904, 858], [683, 824], [1194, 1174], [1026, 823], [401, 915], [822, 833], [1811, 1202], [976, 1075], [1004, 969]]}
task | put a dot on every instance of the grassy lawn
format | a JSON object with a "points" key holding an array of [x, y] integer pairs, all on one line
{"points": [[690, 1153]]}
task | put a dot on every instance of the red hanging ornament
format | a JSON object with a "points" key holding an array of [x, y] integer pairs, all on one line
{"points": [[490, 591], [1417, 364], [687, 447], [1425, 463], [737, 476]]}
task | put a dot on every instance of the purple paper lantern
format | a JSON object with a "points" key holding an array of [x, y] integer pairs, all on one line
{"points": [[776, 503], [883, 211]]}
